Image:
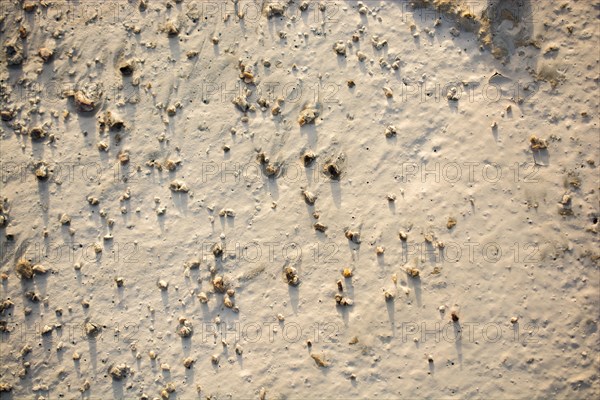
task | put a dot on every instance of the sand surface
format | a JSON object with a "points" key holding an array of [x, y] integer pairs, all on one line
{"points": [[187, 185]]}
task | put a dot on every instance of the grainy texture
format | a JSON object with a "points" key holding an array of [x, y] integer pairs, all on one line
{"points": [[299, 199]]}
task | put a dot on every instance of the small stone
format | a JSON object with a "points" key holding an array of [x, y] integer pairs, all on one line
{"points": [[390, 131], [320, 227], [5, 305], [24, 269], [451, 223], [123, 157], [185, 328], [162, 284], [171, 28], [454, 316], [45, 54], [291, 276], [320, 361], [238, 349], [219, 284], [178, 186], [203, 298], [453, 94], [217, 250], [275, 10], [340, 48], [102, 146], [14, 52], [352, 236], [342, 301], [127, 67], [33, 296], [29, 6], [65, 219], [7, 115], [84, 102], [413, 272], [85, 386], [91, 329], [227, 212], [333, 170], [118, 372], [308, 116], [309, 197], [308, 158], [537, 144], [37, 133], [39, 269]]}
